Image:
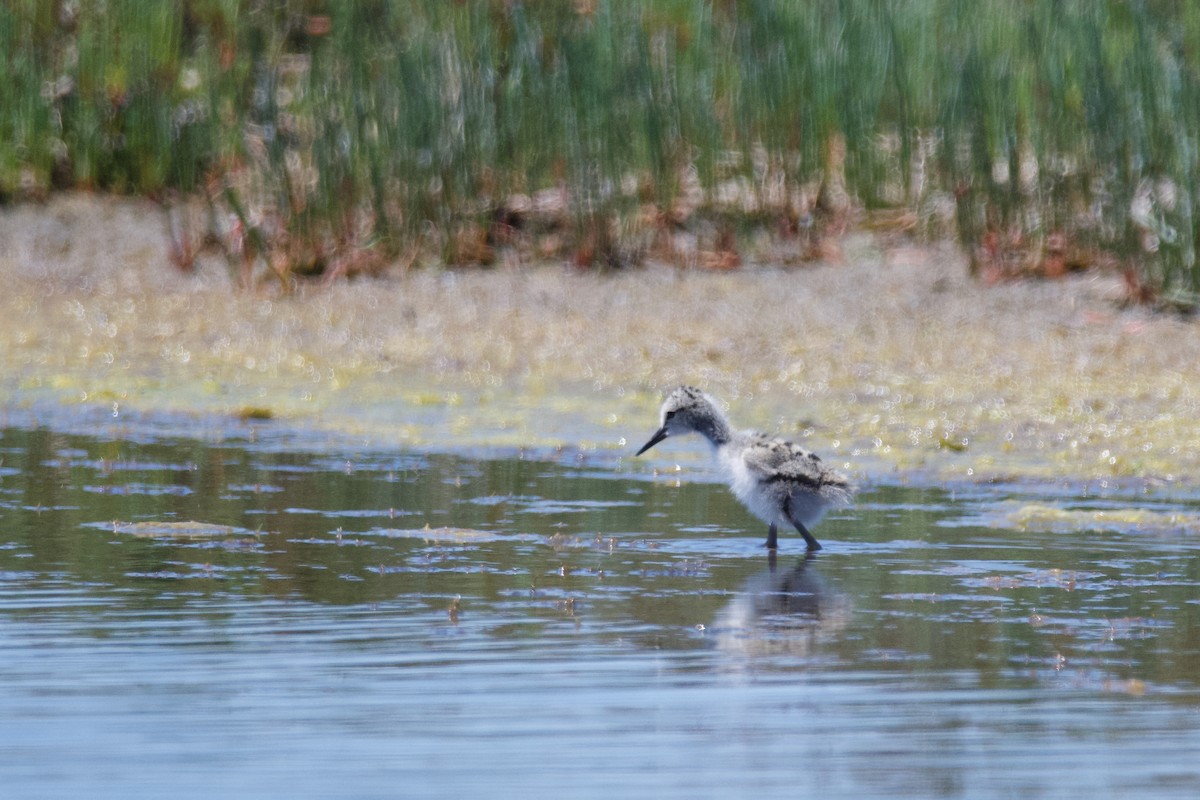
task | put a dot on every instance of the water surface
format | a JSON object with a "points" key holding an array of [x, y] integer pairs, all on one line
{"points": [[249, 618]]}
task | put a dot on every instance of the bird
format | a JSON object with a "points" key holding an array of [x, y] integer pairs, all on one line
{"points": [[778, 481]]}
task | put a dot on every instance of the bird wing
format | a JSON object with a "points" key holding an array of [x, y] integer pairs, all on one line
{"points": [[772, 459]]}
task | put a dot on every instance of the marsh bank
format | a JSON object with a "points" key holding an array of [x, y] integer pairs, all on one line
{"points": [[893, 362]]}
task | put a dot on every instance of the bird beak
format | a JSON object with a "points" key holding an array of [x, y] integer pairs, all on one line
{"points": [[658, 436]]}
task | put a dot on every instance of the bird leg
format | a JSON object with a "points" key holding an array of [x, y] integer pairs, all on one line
{"points": [[809, 539], [772, 538]]}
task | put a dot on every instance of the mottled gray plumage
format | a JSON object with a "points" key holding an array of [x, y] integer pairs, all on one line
{"points": [[778, 481]]}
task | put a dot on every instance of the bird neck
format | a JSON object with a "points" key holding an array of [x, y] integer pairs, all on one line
{"points": [[715, 428]]}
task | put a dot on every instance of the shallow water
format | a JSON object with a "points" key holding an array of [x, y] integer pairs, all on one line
{"points": [[242, 617]]}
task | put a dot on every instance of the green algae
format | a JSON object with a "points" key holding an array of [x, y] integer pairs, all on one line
{"points": [[177, 530], [443, 535], [1042, 517]]}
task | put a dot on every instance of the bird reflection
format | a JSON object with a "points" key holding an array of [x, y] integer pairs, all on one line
{"points": [[781, 611]]}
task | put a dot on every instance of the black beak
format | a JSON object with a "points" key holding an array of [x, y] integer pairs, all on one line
{"points": [[658, 436]]}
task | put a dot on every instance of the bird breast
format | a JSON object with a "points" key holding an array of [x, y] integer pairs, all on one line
{"points": [[764, 500]]}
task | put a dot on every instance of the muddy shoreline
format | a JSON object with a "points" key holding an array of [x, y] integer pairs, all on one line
{"points": [[893, 364]]}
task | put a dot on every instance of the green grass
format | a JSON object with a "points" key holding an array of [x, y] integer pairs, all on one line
{"points": [[341, 134]]}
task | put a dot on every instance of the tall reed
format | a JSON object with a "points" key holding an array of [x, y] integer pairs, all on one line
{"points": [[338, 134]]}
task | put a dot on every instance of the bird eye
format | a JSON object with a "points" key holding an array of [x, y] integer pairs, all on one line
{"points": [[668, 415]]}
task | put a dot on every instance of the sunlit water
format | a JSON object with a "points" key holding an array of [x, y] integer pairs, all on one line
{"points": [[190, 620]]}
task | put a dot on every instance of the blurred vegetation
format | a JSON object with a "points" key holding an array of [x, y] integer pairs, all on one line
{"points": [[336, 136]]}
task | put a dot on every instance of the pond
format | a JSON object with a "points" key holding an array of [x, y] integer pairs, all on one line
{"points": [[246, 616]]}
